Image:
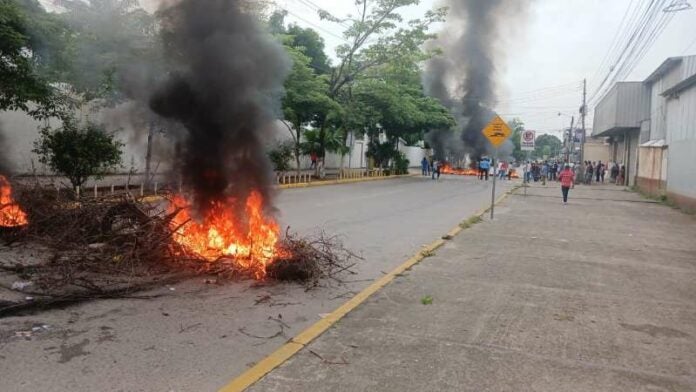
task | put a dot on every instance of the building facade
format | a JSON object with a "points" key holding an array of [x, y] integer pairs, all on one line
{"points": [[651, 126]]}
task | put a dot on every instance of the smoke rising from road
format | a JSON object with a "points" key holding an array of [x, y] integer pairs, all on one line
{"points": [[223, 86], [463, 77]]}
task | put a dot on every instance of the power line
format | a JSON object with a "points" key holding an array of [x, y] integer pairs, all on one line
{"points": [[615, 40], [315, 25], [646, 25], [689, 47], [312, 6]]}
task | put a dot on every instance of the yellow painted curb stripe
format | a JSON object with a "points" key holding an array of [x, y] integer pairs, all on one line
{"points": [[343, 181], [285, 352], [154, 198]]}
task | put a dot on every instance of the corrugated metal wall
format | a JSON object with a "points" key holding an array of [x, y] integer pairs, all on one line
{"points": [[605, 112], [681, 138], [633, 104], [626, 105]]}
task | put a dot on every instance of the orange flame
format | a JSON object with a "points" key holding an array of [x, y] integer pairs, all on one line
{"points": [[250, 242], [448, 169], [11, 214]]}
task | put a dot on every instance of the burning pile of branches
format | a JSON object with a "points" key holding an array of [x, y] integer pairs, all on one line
{"points": [[113, 247]]}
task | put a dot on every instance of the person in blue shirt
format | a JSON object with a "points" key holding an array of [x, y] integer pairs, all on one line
{"points": [[484, 168], [425, 164]]}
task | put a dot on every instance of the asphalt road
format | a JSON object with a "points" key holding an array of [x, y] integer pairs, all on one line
{"points": [[198, 337]]}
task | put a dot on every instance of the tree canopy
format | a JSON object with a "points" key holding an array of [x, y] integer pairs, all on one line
{"points": [[31, 49]]}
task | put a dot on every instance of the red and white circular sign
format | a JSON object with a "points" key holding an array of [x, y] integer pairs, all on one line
{"points": [[528, 136]]}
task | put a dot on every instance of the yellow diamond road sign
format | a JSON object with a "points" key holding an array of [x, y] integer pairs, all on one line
{"points": [[497, 131]]}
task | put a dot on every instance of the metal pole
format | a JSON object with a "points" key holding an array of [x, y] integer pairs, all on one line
{"points": [[584, 113], [524, 182], [572, 140], [495, 174]]}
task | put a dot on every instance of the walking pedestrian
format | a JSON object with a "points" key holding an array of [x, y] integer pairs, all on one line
{"points": [[313, 156], [436, 169], [603, 172], [598, 171], [424, 166], [567, 179]]}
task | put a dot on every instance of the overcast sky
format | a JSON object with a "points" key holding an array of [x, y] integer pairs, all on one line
{"points": [[555, 46]]}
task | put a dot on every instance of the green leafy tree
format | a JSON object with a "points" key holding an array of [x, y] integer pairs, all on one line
{"points": [[546, 145], [78, 152], [377, 37], [32, 55], [305, 101], [517, 127]]}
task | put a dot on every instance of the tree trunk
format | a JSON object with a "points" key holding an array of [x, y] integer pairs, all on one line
{"points": [[322, 146]]}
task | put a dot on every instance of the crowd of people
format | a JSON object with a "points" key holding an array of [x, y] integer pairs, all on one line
{"points": [[589, 172], [585, 173]]}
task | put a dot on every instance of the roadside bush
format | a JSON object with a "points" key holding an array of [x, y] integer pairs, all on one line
{"points": [[401, 164], [281, 156]]}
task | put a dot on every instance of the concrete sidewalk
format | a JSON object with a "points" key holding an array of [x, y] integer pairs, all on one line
{"points": [[599, 295]]}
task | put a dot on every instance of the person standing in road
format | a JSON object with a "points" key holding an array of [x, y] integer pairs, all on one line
{"points": [[424, 166], [567, 178], [484, 168], [544, 172], [589, 173], [436, 170], [614, 171], [598, 171]]}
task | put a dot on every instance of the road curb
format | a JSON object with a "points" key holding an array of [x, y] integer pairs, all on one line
{"points": [[339, 182], [295, 344], [154, 198]]}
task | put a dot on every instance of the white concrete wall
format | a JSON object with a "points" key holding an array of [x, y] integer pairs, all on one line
{"points": [[20, 132]]}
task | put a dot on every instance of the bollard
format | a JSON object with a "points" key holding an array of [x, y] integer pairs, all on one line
{"points": [[96, 191]]}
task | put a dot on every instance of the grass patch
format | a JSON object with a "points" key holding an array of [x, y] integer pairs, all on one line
{"points": [[427, 253], [470, 222], [427, 300]]}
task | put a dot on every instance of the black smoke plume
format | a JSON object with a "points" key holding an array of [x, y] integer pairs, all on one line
{"points": [[463, 77], [224, 83]]}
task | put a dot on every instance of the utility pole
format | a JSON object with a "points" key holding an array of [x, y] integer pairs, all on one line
{"points": [[583, 113], [148, 155], [571, 140]]}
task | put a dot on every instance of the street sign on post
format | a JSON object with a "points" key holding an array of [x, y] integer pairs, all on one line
{"points": [[528, 140], [497, 132]]}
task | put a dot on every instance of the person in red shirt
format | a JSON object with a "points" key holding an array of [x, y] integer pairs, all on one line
{"points": [[567, 178]]}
